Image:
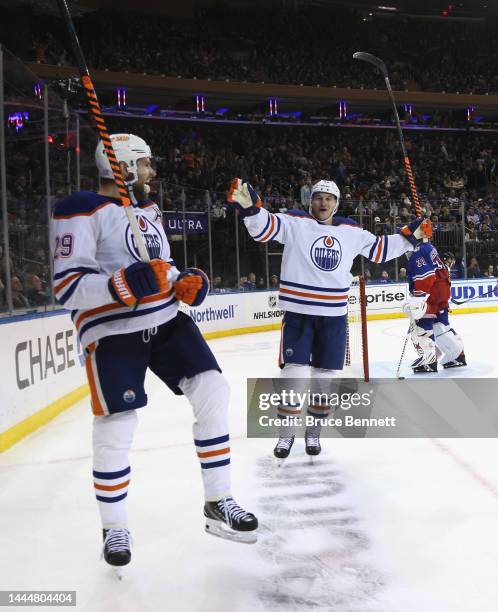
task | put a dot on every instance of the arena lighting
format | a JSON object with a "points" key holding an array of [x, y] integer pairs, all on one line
{"points": [[387, 8], [343, 109], [273, 106], [17, 120], [38, 91], [121, 96], [199, 103], [408, 109], [470, 113]]}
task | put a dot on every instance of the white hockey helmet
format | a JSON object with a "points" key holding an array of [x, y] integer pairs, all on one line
{"points": [[326, 187], [128, 148]]}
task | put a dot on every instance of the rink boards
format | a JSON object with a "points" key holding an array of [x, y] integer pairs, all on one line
{"points": [[43, 367]]}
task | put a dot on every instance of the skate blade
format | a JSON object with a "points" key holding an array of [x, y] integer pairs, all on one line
{"points": [[119, 572], [220, 530]]}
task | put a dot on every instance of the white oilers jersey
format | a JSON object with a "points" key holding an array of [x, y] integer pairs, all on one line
{"points": [[93, 239], [317, 259]]}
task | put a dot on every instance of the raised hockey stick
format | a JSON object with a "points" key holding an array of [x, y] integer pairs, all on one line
{"points": [[460, 302], [379, 64], [125, 192]]}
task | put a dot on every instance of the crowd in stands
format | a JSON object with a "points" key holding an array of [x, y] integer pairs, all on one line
{"points": [[309, 45], [455, 174]]}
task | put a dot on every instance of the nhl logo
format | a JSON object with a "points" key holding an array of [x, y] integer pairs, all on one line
{"points": [[326, 253], [129, 396], [272, 301]]}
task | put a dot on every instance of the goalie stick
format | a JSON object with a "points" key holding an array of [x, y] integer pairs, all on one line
{"points": [[460, 302], [380, 65], [125, 191]]}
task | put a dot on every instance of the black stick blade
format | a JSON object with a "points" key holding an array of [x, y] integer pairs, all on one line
{"points": [[371, 59]]}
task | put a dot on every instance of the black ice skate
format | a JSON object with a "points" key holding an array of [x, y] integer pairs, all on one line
{"points": [[283, 447], [226, 519], [456, 363], [423, 368], [117, 546], [312, 443]]}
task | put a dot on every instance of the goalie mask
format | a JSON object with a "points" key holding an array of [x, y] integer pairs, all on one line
{"points": [[129, 149], [325, 187], [449, 259]]}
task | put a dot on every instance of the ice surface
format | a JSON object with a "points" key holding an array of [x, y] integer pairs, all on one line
{"points": [[372, 525]]}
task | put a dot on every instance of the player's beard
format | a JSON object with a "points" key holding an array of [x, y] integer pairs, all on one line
{"points": [[141, 191]]}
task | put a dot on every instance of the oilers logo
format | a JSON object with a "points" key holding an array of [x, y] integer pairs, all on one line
{"points": [[326, 253], [152, 237]]}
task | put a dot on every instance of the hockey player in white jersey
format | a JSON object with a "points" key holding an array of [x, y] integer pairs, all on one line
{"points": [[127, 318], [319, 249]]}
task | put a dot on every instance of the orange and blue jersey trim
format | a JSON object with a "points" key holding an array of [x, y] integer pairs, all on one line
{"points": [[311, 295], [271, 229], [378, 252], [69, 281]]}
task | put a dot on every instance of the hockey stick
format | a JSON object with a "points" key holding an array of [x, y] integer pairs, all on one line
{"points": [[403, 351], [460, 302], [379, 64], [125, 192]]}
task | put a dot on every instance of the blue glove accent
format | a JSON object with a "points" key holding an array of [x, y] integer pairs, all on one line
{"points": [[408, 231], [244, 198], [191, 293]]}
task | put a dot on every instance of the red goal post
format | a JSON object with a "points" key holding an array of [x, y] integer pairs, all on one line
{"points": [[357, 336]]}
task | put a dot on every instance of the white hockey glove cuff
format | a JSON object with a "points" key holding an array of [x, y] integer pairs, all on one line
{"points": [[416, 306]]}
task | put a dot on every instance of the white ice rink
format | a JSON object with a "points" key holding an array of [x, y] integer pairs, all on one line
{"points": [[374, 525]]}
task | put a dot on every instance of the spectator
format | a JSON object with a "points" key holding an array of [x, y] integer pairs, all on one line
{"points": [[274, 282], [19, 300], [306, 193], [402, 275], [217, 285], [34, 290], [250, 283], [384, 277], [474, 271]]}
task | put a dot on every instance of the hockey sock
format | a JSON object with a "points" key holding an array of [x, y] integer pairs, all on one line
{"points": [[112, 438], [294, 377], [209, 395], [321, 389]]}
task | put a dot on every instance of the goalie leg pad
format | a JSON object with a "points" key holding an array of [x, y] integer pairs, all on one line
{"points": [[448, 342], [422, 336]]}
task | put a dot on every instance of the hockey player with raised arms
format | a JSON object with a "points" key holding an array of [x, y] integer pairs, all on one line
{"points": [[127, 318], [428, 307], [319, 249]]}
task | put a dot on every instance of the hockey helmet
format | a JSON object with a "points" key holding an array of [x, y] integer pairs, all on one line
{"points": [[326, 187], [129, 149], [448, 258]]}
